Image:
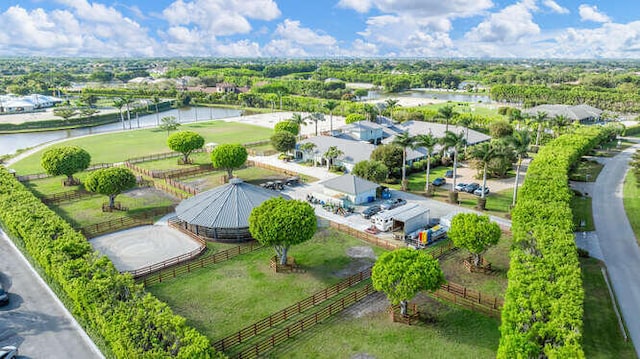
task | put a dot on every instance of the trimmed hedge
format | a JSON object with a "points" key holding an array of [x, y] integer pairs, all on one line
{"points": [[130, 322], [542, 313]]}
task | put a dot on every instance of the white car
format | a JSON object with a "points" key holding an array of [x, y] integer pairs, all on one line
{"points": [[459, 186], [8, 352]]}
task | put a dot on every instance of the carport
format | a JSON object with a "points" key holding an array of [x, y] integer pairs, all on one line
{"points": [[412, 219]]}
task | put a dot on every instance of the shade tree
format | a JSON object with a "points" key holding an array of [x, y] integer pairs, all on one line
{"points": [[110, 182], [474, 233], [66, 160], [283, 141], [282, 223], [403, 273], [229, 156], [374, 171], [185, 142]]}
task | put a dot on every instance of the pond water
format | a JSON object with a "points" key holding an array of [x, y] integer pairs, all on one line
{"points": [[10, 143], [435, 94]]}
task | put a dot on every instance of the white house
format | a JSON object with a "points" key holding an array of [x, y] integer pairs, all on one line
{"points": [[364, 131], [355, 189]]}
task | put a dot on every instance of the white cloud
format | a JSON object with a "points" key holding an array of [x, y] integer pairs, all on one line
{"points": [[94, 12], [511, 24], [421, 8], [361, 6], [555, 7], [591, 13], [291, 30], [284, 48], [242, 48]]}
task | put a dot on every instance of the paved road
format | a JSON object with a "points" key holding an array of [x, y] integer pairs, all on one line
{"points": [[617, 241], [35, 321]]}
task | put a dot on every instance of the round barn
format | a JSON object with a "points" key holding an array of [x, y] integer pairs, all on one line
{"points": [[222, 214]]}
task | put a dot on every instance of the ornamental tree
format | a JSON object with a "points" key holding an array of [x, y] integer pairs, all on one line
{"points": [[111, 182], [168, 123], [474, 233], [403, 273], [283, 141], [229, 157], [282, 223], [288, 126], [66, 161], [374, 171], [185, 142]]}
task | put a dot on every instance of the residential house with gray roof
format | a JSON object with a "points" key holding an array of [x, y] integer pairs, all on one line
{"points": [[580, 113]]}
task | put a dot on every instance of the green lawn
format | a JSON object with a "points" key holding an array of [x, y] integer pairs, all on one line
{"points": [[586, 171], [452, 333], [493, 284], [52, 185], [224, 298], [88, 210], [581, 208], [417, 179], [631, 198], [199, 158], [602, 337], [119, 146], [498, 203]]}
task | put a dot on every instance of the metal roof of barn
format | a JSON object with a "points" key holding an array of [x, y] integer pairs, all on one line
{"points": [[227, 206], [350, 184]]}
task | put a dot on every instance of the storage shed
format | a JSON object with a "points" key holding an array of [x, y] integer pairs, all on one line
{"points": [[222, 213], [412, 219], [356, 190]]}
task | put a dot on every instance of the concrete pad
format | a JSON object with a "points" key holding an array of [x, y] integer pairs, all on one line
{"points": [[139, 247]]}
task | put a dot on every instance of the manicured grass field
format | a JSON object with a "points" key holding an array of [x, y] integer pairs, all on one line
{"points": [[224, 298], [52, 185], [417, 179], [253, 175], [581, 208], [451, 333], [498, 203], [631, 198], [602, 337], [493, 284], [119, 146], [88, 210], [199, 158]]}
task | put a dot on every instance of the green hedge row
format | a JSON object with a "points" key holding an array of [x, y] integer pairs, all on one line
{"points": [[542, 314], [130, 322], [632, 130]]}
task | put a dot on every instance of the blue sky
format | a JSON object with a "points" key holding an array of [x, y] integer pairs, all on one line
{"points": [[312, 28]]}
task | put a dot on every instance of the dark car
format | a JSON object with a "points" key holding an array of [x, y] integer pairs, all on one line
{"points": [[478, 191], [449, 174], [439, 181], [4, 296], [393, 203], [370, 211], [471, 187]]}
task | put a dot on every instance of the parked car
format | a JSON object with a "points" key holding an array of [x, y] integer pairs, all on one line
{"points": [[393, 203], [439, 181], [449, 174], [4, 296], [370, 211], [460, 186], [471, 187], [478, 191], [8, 352]]}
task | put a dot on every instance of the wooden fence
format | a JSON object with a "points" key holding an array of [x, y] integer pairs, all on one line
{"points": [[37, 176], [188, 266], [156, 156], [365, 236], [181, 186], [138, 219], [65, 196], [140, 272], [251, 163], [187, 172], [281, 316], [305, 323], [470, 299]]}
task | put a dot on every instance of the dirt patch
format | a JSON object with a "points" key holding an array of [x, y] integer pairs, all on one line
{"points": [[148, 193], [361, 258], [361, 252], [375, 302]]}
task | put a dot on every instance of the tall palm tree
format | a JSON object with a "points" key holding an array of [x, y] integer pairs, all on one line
{"points": [[465, 121], [391, 103], [559, 124], [484, 153], [404, 140], [332, 153], [118, 103], [519, 141], [539, 118], [307, 148], [429, 142], [156, 101], [371, 112], [454, 142], [330, 106], [127, 100], [316, 117], [446, 113]]}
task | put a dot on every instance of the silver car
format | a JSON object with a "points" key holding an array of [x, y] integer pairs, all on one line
{"points": [[8, 352]]}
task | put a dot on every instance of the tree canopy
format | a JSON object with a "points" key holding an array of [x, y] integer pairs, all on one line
{"points": [[374, 171], [288, 126], [474, 233], [185, 142], [283, 141], [403, 273], [282, 223], [391, 155], [111, 182], [229, 157], [65, 160]]}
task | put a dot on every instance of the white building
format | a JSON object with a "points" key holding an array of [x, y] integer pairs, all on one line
{"points": [[354, 189]]}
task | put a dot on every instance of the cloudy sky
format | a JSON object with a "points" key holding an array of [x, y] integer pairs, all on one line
{"points": [[324, 28]]}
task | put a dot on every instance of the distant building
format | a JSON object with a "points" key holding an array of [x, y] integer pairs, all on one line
{"points": [[17, 104], [579, 113]]}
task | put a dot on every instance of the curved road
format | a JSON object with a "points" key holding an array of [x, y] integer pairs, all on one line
{"points": [[34, 320], [617, 240]]}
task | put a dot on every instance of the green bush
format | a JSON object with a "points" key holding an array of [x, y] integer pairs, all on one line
{"points": [[131, 322], [542, 313]]}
